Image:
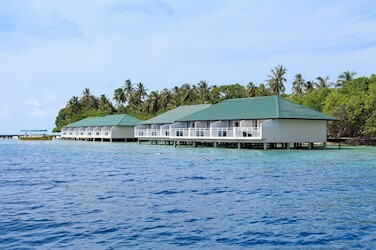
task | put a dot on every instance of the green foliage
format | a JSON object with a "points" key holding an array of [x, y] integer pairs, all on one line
{"points": [[353, 100], [224, 92], [316, 98]]}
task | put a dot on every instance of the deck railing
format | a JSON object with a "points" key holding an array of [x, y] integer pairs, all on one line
{"points": [[152, 133], [204, 133], [87, 134]]}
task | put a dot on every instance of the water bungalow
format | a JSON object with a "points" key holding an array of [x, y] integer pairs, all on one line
{"points": [[260, 122], [160, 127], [107, 128]]}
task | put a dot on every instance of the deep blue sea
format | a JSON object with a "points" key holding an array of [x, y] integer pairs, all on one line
{"points": [[101, 195]]}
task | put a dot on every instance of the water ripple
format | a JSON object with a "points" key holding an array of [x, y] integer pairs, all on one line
{"points": [[80, 195]]}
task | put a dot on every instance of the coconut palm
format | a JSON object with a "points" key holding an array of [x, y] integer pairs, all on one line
{"points": [[204, 89], [323, 82], [105, 105], [138, 95], [187, 93], [261, 90], [128, 90], [74, 105], [89, 100], [276, 80], [309, 86], [298, 84], [119, 96], [345, 77], [166, 98], [151, 105], [251, 89], [86, 95]]}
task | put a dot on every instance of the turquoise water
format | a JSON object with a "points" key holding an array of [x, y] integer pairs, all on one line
{"points": [[86, 195]]}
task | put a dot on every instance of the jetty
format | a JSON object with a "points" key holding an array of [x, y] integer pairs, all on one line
{"points": [[9, 136]]}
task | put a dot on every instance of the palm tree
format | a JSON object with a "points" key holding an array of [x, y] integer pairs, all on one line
{"points": [[166, 98], [152, 103], [128, 90], [88, 99], [262, 90], [323, 82], [251, 89], [187, 93], [309, 86], [74, 105], [276, 80], [204, 89], [105, 105], [119, 96], [86, 95], [140, 93], [344, 78], [298, 84]]}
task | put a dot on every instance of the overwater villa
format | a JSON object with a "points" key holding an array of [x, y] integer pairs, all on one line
{"points": [[107, 128], [262, 122], [159, 127]]}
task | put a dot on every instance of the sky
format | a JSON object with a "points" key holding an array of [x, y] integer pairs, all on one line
{"points": [[52, 50]]}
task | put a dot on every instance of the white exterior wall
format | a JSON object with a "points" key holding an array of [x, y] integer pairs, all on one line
{"points": [[247, 123], [142, 126], [118, 132], [293, 130], [200, 124], [220, 124], [155, 126], [165, 126], [179, 125]]}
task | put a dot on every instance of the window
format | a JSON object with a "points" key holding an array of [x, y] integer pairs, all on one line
{"points": [[222, 133]]}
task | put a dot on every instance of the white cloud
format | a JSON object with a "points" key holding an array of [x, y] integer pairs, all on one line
{"points": [[50, 97], [39, 113], [32, 103], [51, 50]]}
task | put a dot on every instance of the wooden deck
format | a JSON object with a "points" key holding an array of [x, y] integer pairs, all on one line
{"points": [[9, 136], [17, 136]]}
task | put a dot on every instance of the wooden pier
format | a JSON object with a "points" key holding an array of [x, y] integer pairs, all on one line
{"points": [[17, 136], [9, 136]]}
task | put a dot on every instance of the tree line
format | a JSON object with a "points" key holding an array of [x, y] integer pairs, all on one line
{"points": [[350, 98]]}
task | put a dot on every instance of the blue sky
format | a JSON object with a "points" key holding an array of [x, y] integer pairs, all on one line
{"points": [[52, 50]]}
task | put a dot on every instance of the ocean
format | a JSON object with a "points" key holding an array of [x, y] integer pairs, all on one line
{"points": [[101, 195]]}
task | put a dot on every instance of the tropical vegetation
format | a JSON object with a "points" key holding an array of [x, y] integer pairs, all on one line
{"points": [[351, 99]]}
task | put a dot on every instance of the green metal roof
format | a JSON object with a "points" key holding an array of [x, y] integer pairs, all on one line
{"points": [[109, 120], [175, 114], [265, 107], [87, 122]]}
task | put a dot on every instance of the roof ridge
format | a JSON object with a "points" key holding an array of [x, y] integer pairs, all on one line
{"points": [[124, 115], [277, 105]]}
